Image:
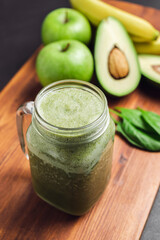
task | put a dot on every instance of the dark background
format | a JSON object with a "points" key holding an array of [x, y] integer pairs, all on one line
{"points": [[20, 24]]}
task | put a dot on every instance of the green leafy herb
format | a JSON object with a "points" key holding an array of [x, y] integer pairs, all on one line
{"points": [[152, 119], [137, 127], [120, 130], [134, 116], [147, 141]]}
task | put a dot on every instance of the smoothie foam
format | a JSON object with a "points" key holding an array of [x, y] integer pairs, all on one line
{"points": [[70, 108]]}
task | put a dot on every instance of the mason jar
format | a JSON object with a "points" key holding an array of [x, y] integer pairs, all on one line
{"points": [[70, 166]]}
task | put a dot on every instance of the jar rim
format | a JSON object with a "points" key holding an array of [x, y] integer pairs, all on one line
{"points": [[71, 83]]}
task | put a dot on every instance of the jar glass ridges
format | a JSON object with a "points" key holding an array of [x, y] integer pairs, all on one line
{"points": [[70, 167]]}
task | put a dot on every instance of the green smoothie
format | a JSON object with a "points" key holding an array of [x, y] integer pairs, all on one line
{"points": [[70, 108], [70, 168]]}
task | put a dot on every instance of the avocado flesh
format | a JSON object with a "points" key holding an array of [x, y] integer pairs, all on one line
{"points": [[111, 34], [150, 66]]}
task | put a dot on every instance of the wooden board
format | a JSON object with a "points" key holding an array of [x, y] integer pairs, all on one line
{"points": [[123, 209]]}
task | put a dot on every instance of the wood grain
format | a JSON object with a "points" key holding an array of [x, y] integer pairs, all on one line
{"points": [[121, 212]]}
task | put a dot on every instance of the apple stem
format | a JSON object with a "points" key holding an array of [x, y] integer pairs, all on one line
{"points": [[66, 47], [66, 17]]}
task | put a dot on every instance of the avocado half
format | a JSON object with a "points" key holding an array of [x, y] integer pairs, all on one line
{"points": [[150, 67], [116, 61]]}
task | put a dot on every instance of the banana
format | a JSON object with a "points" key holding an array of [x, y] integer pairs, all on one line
{"points": [[149, 48], [138, 39], [96, 10]]}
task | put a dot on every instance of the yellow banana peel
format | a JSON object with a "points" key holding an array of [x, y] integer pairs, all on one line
{"points": [[138, 39], [149, 48], [96, 10]]}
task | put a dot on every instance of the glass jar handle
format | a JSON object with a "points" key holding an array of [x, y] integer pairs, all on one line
{"points": [[26, 108]]}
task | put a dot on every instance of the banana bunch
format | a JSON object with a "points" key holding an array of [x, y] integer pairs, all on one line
{"points": [[96, 10], [152, 47], [143, 34]]}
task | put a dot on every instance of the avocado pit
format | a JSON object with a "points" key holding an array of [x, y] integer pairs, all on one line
{"points": [[118, 64], [156, 68]]}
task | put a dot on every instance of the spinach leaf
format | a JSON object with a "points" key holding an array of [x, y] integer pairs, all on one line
{"points": [[120, 130], [141, 128], [149, 142], [134, 116], [152, 119]]}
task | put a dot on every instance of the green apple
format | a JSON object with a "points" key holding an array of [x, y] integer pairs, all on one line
{"points": [[65, 23], [65, 59]]}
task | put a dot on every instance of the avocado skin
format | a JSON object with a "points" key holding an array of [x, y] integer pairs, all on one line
{"points": [[149, 75], [132, 50]]}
